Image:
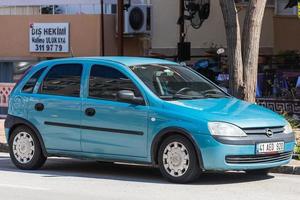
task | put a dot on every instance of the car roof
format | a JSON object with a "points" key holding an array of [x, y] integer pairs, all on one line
{"points": [[124, 60]]}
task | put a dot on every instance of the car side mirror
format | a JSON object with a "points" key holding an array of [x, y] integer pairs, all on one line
{"points": [[129, 97]]}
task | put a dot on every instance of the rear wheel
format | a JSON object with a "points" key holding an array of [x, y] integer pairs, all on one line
{"points": [[177, 160], [25, 149]]}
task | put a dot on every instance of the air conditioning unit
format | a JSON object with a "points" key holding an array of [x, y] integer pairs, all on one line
{"points": [[137, 19]]}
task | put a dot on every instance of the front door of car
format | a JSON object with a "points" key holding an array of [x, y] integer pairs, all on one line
{"points": [[55, 108], [110, 126]]}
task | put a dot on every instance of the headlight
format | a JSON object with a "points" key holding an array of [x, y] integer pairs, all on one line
{"points": [[225, 129], [287, 129]]}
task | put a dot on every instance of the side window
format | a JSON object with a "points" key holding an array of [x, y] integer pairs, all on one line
{"points": [[29, 86], [105, 82], [63, 80]]}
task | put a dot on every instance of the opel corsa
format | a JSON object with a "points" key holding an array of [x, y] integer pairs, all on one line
{"points": [[140, 110]]}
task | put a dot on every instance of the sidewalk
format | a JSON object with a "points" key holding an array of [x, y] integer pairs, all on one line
{"points": [[3, 146], [2, 134], [292, 168]]}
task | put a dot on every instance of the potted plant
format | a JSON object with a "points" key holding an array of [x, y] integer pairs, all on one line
{"points": [[297, 147], [296, 127]]}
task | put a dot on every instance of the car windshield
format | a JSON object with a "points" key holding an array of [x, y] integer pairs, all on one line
{"points": [[171, 82]]}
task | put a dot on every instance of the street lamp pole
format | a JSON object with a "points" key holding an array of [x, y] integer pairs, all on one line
{"points": [[120, 27], [181, 13], [102, 29]]}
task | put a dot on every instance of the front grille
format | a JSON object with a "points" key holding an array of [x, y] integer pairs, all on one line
{"points": [[260, 131], [252, 159]]}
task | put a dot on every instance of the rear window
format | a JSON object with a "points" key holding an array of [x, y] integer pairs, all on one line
{"points": [[63, 80], [29, 86]]}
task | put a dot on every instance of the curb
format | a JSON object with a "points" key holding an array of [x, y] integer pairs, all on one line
{"points": [[287, 169], [3, 147]]}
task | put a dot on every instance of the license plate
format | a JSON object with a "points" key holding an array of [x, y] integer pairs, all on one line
{"points": [[272, 147]]}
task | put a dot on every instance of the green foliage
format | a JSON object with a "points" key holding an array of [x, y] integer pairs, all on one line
{"points": [[297, 152], [294, 123]]}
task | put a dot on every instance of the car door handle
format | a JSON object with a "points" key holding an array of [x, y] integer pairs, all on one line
{"points": [[90, 112], [39, 107]]}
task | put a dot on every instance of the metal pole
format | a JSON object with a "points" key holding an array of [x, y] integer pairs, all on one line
{"points": [[120, 27], [181, 13], [102, 29]]}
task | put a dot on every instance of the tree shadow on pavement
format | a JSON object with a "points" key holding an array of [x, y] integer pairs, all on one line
{"points": [[62, 167]]}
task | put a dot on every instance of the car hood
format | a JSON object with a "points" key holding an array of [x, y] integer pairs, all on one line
{"points": [[231, 110]]}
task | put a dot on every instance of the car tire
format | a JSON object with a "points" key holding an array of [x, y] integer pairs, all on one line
{"points": [[177, 160], [25, 149], [261, 172]]}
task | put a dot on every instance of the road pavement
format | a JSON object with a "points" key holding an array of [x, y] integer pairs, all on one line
{"points": [[66, 179]]}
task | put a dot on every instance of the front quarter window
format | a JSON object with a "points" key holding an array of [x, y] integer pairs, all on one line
{"points": [[105, 82], [171, 82]]}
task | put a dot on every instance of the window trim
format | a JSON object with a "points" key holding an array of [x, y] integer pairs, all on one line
{"points": [[36, 82], [91, 65], [42, 78]]}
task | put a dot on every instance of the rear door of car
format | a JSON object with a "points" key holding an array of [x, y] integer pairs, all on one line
{"points": [[55, 106]]}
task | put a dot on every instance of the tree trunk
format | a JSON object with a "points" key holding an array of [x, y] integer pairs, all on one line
{"points": [[234, 52], [250, 46]]}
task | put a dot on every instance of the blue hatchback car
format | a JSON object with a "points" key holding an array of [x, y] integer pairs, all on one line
{"points": [[140, 110]]}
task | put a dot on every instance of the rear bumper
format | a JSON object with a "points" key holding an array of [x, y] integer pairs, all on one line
{"points": [[6, 134], [215, 155], [9, 122]]}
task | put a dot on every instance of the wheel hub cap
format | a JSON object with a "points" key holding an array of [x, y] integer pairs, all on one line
{"points": [[176, 159], [23, 147]]}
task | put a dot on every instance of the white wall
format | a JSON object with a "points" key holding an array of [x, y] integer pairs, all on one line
{"points": [[166, 31], [29, 7], [20, 10]]}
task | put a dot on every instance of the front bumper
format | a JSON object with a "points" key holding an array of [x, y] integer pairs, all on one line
{"points": [[215, 154]]}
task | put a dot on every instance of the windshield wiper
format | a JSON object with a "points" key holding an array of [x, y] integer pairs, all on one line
{"points": [[215, 96], [180, 96]]}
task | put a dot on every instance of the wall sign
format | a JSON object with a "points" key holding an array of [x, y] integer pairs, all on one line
{"points": [[49, 37]]}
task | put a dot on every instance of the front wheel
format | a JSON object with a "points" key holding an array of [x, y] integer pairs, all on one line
{"points": [[25, 149], [177, 160]]}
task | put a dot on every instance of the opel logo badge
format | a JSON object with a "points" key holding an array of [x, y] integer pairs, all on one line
{"points": [[269, 132]]}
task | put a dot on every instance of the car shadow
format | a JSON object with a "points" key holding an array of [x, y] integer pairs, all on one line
{"points": [[64, 167]]}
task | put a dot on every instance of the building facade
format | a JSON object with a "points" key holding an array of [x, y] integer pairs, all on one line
{"points": [[21, 21], [280, 30]]}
